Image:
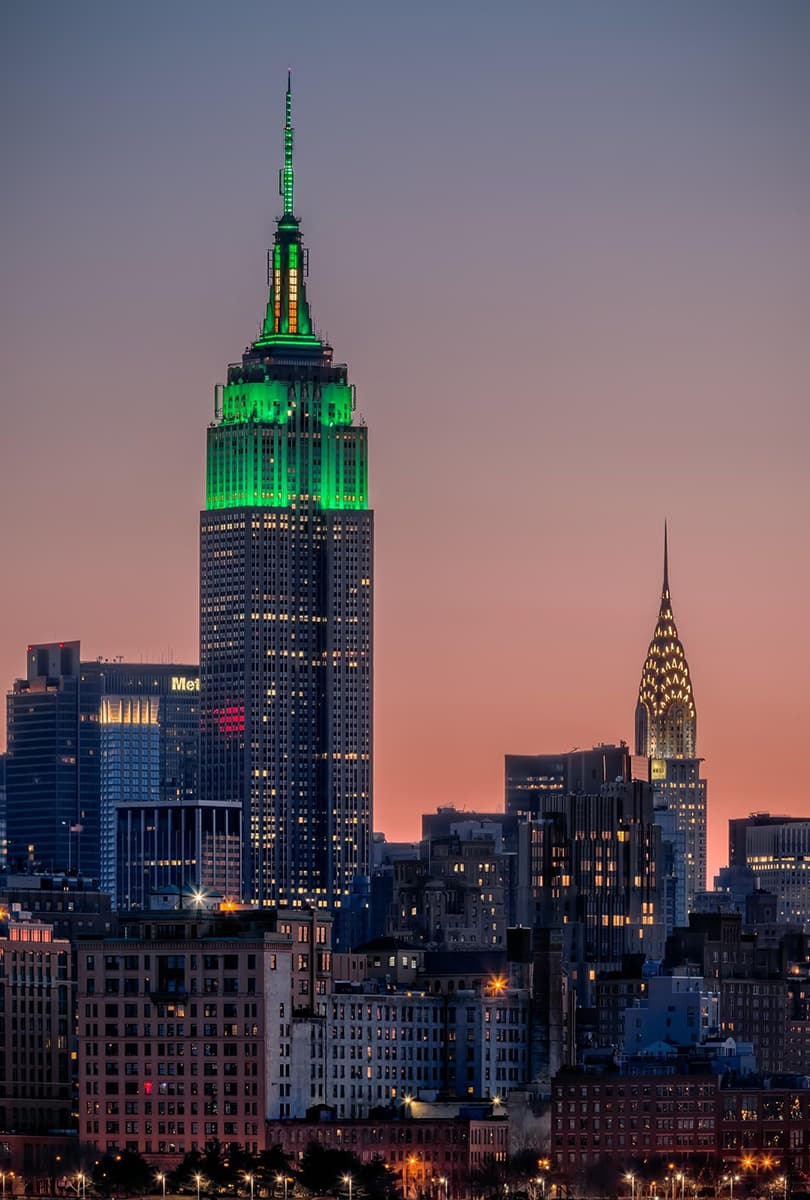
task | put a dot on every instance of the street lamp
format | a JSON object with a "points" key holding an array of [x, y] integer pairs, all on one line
{"points": [[731, 1180], [161, 1178], [249, 1179], [631, 1179], [347, 1179], [282, 1179], [198, 1181], [443, 1183], [681, 1178]]}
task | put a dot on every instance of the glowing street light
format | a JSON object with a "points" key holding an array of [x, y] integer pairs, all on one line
{"points": [[198, 1181], [631, 1179], [347, 1179], [161, 1178], [249, 1179], [282, 1179]]}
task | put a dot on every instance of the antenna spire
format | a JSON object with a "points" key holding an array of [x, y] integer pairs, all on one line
{"points": [[286, 176], [665, 588]]}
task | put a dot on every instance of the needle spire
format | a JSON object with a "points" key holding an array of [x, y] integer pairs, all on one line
{"points": [[287, 177]]}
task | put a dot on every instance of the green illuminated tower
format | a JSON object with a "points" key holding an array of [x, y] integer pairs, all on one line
{"points": [[286, 575]]}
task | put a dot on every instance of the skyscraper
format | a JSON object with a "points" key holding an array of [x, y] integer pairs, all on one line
{"points": [[53, 762], [102, 777], [155, 832], [286, 569], [666, 735]]}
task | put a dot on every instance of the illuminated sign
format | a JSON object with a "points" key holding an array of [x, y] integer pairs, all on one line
{"points": [[181, 683], [658, 769]]}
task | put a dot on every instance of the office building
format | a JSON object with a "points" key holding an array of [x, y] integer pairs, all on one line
{"points": [[593, 875], [286, 601], [666, 735], [155, 831], [455, 895], [103, 778], [532, 778], [52, 771], [776, 851]]}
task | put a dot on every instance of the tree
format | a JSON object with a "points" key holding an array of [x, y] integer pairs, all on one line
{"points": [[322, 1169], [376, 1181], [124, 1173], [270, 1165], [489, 1178]]}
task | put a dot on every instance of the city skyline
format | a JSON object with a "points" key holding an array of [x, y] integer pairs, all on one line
{"points": [[525, 477]]}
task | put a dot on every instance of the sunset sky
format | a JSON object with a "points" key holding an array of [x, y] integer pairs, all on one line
{"points": [[565, 251]]}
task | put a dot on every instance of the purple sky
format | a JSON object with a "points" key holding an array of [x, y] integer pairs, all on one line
{"points": [[565, 250]]}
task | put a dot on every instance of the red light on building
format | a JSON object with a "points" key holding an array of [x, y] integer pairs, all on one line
{"points": [[231, 719]]}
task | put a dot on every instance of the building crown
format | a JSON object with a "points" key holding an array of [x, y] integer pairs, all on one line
{"points": [[287, 320], [666, 717]]}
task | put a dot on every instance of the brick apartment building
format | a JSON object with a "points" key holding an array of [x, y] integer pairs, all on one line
{"points": [[615, 1119], [417, 1151], [187, 1023], [35, 1026]]}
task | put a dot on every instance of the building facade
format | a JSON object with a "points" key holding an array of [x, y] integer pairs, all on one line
{"points": [[386, 1047], [53, 763], [530, 779], [778, 855], [186, 1026], [426, 1155], [155, 832], [103, 778], [286, 546], [36, 1026], [666, 735], [593, 875], [598, 1120]]}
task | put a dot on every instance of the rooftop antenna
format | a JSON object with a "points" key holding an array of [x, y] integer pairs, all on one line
{"points": [[286, 181]]}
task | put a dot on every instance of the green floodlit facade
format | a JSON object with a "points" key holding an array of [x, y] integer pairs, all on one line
{"points": [[286, 577], [279, 441]]}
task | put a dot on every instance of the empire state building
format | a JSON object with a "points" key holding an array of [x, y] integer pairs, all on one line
{"points": [[286, 580]]}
